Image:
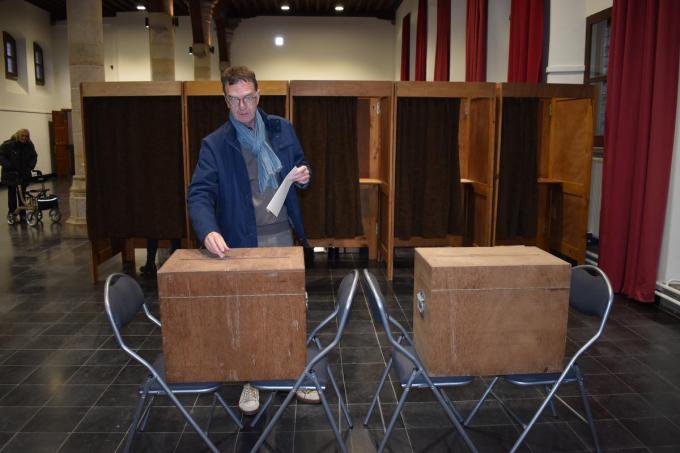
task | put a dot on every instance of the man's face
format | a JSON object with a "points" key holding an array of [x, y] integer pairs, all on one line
{"points": [[23, 137], [242, 98]]}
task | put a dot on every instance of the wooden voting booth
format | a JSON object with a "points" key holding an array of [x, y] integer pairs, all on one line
{"points": [[344, 128], [444, 141], [134, 161], [138, 135], [543, 164]]}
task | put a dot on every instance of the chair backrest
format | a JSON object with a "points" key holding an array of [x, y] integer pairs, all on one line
{"points": [[123, 298], [591, 293], [345, 298], [376, 302]]}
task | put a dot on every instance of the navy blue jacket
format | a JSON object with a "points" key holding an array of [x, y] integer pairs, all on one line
{"points": [[219, 195]]}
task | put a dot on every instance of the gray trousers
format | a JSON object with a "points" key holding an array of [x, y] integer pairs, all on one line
{"points": [[281, 239]]}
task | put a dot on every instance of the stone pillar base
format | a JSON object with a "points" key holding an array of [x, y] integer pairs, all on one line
{"points": [[76, 224]]}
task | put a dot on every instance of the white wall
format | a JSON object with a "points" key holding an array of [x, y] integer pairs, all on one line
{"points": [[567, 41], [498, 41], [23, 104], [594, 6], [458, 30], [669, 261], [326, 48]]}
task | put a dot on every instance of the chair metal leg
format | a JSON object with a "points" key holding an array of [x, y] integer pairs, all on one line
{"points": [[397, 411], [552, 403], [135, 421], [229, 411], [343, 407], [277, 415], [263, 409], [329, 414], [212, 412], [586, 407], [538, 413], [469, 418], [450, 403], [377, 392], [188, 417], [146, 413], [451, 415]]}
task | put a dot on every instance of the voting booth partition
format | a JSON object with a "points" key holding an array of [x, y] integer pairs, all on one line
{"points": [[444, 140], [205, 109], [134, 162], [543, 164], [345, 129], [142, 141]]}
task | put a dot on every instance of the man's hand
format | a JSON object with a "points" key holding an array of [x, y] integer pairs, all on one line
{"points": [[301, 175], [214, 242]]}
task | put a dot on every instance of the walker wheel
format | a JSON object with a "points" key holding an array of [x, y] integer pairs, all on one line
{"points": [[31, 218], [55, 215]]}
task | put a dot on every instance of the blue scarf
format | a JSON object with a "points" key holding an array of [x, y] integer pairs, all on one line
{"points": [[268, 164]]}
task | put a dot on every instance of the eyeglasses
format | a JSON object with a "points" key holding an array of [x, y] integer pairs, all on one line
{"points": [[249, 100]]}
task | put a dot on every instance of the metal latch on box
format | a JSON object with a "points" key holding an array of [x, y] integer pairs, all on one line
{"points": [[420, 301]]}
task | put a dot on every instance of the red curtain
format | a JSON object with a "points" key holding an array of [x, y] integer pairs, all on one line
{"points": [[441, 59], [405, 46], [526, 41], [644, 53], [421, 41], [475, 41]]}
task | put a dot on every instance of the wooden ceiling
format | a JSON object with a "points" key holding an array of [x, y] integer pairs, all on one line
{"points": [[241, 9]]}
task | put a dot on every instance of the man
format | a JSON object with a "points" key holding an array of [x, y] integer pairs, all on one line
{"points": [[239, 168], [18, 159]]}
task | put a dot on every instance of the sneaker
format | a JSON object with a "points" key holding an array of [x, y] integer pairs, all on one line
{"points": [[148, 269], [249, 402], [308, 396]]}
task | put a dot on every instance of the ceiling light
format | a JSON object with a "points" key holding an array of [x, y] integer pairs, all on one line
{"points": [[285, 7], [278, 41], [141, 7], [339, 8]]}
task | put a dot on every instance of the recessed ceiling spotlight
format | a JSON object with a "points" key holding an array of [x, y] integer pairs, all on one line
{"points": [[141, 7], [278, 41], [285, 7], [339, 8]]}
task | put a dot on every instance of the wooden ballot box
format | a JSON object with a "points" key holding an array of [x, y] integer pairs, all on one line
{"points": [[490, 310], [240, 318]]}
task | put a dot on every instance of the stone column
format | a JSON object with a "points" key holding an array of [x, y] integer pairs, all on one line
{"points": [[202, 61], [201, 21], [225, 35], [161, 40], [86, 64]]}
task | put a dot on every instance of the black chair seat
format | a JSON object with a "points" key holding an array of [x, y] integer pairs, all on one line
{"points": [[404, 368], [319, 369], [188, 387], [540, 378]]}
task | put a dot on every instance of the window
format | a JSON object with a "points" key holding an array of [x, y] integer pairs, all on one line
{"points": [[598, 31], [10, 45], [39, 66]]}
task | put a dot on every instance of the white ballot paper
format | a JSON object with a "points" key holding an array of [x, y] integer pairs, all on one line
{"points": [[279, 197]]}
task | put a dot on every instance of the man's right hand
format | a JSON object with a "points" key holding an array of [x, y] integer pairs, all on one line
{"points": [[214, 242]]}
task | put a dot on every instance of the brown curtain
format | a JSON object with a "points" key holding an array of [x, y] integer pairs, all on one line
{"points": [[326, 127], [518, 187], [428, 189], [135, 184]]}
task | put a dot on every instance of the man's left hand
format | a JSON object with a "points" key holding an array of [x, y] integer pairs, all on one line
{"points": [[301, 175]]}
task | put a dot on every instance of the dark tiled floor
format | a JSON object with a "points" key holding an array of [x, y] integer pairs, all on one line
{"points": [[64, 385]]}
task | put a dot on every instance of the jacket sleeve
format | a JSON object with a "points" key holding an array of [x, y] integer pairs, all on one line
{"points": [[299, 157], [4, 157], [203, 192], [32, 157]]}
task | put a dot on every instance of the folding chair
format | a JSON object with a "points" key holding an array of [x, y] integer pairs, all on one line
{"points": [[122, 300], [317, 373], [590, 294], [410, 370]]}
